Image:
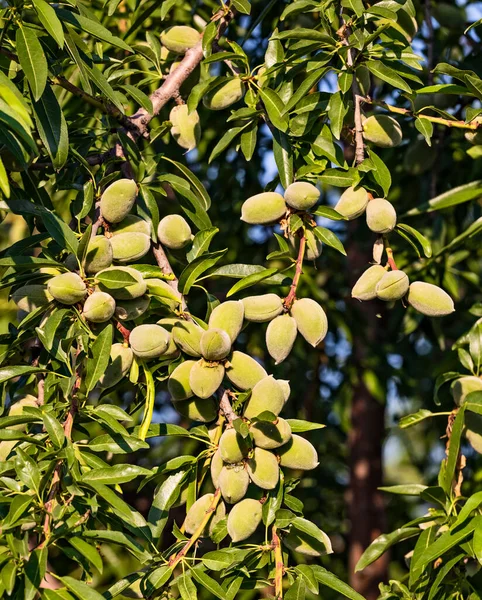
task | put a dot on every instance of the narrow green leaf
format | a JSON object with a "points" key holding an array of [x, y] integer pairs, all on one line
{"points": [[274, 108], [382, 543], [382, 71], [329, 238], [52, 127], [50, 21], [196, 268], [209, 583], [54, 429], [283, 156], [97, 364], [421, 239], [81, 589], [250, 280], [32, 59]]}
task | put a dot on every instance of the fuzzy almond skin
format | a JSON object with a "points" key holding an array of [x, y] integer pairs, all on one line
{"points": [[186, 128], [392, 286], [149, 341], [263, 469], [178, 384], [301, 195], [352, 203], [204, 410], [463, 386], [118, 199], [298, 540], [30, 297], [130, 246], [67, 288], [133, 224], [130, 291], [263, 209], [174, 232], [263, 308], [233, 482], [121, 358], [429, 299], [233, 447], [229, 317], [268, 395], [243, 371], [310, 319], [197, 512], [298, 454], [381, 215], [180, 38], [366, 286], [224, 95], [215, 344], [216, 467], [280, 337], [383, 131], [99, 255], [99, 307], [269, 435], [187, 336], [285, 388], [244, 518], [205, 378], [132, 309]]}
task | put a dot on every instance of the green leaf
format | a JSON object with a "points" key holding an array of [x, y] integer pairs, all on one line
{"points": [[298, 425], [98, 78], [194, 181], [18, 507], [248, 141], [416, 418], [243, 6], [447, 541], [380, 173], [225, 141], [196, 268], [455, 196], [297, 590], [186, 587], [329, 213], [201, 242], [340, 178], [453, 456], [209, 583], [337, 110], [32, 59], [301, 33], [382, 71], [443, 571], [274, 108], [240, 270], [98, 362], [329, 238], [382, 543], [421, 239], [120, 507], [164, 497], [409, 489], [91, 27], [88, 551], [330, 580], [283, 156], [121, 473], [52, 127], [472, 503], [60, 232], [426, 129], [34, 572], [7, 373], [54, 429], [115, 279], [81, 589], [138, 96], [49, 20], [27, 470], [250, 280]]}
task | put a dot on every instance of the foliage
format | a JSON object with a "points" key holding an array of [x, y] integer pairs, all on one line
{"points": [[80, 387]]}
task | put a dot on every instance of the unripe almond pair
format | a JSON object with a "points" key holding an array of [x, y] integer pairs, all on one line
{"points": [[269, 207]]}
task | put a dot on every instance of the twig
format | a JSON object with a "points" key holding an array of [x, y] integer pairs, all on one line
{"points": [[440, 120], [290, 298], [389, 251], [177, 558], [125, 332], [279, 565], [225, 406]]}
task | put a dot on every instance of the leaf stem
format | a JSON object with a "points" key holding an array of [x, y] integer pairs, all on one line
{"points": [[149, 409]]}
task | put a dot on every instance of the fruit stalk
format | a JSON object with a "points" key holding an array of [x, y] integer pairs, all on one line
{"points": [[389, 251], [177, 558], [290, 298]]}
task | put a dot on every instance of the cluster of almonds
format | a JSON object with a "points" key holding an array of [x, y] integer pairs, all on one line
{"points": [[185, 124]]}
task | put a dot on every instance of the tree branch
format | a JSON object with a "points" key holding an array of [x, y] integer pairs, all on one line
{"points": [[279, 565], [225, 406], [290, 298]]}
